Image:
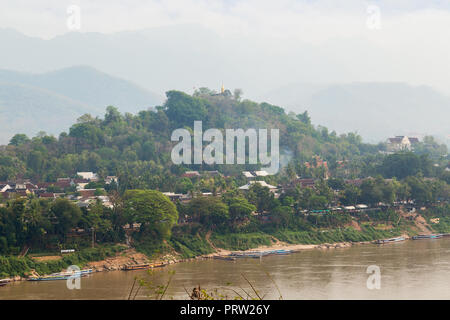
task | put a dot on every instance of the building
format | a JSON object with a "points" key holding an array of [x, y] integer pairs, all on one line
{"points": [[88, 176], [213, 173], [248, 174], [4, 187], [191, 174], [111, 179], [305, 183], [261, 173], [355, 182], [253, 174], [318, 163], [401, 143], [261, 183]]}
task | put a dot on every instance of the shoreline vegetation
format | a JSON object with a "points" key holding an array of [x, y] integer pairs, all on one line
{"points": [[183, 247], [118, 262], [116, 257], [111, 181]]}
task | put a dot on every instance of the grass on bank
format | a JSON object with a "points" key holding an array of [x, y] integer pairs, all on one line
{"points": [[11, 266]]}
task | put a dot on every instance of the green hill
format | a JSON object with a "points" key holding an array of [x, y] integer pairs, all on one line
{"points": [[138, 146]]}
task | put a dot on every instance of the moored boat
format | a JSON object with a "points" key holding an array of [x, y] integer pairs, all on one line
{"points": [[280, 252], [248, 254], [427, 236], [143, 266], [228, 258], [130, 267], [390, 240], [4, 282], [259, 254], [70, 273], [55, 277]]}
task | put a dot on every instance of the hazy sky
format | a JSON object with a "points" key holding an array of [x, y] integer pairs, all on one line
{"points": [[395, 40]]}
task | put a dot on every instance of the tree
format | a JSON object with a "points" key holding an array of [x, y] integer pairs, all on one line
{"points": [[184, 185], [184, 109], [371, 192], [19, 139], [261, 197], [95, 219], [281, 216], [209, 211], [156, 213], [350, 195], [304, 117], [240, 208], [420, 192], [66, 216], [112, 115], [405, 164]]}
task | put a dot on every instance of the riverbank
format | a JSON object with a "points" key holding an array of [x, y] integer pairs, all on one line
{"points": [[204, 246], [131, 256], [308, 274]]}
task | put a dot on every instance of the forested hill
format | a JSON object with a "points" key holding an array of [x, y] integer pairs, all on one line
{"points": [[137, 147]]}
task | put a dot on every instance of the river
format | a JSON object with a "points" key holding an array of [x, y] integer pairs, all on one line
{"points": [[408, 270]]}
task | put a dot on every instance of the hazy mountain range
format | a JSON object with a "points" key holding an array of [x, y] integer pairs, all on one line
{"points": [[374, 110], [52, 101], [138, 63]]}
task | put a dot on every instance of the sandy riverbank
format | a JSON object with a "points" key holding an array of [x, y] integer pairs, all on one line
{"points": [[132, 257]]}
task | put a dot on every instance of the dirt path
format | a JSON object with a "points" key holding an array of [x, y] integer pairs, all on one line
{"points": [[419, 221], [422, 225], [47, 258], [129, 256], [356, 225]]}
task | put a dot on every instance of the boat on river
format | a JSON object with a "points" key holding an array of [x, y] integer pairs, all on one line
{"points": [[259, 254], [427, 236], [56, 277], [228, 258], [390, 240], [281, 252], [4, 282], [62, 275], [143, 266], [248, 254], [70, 273]]}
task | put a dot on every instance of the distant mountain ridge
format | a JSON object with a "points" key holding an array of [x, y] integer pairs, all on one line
{"points": [[374, 110], [187, 56], [51, 101]]}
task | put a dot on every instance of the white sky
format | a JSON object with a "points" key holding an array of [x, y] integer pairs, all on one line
{"points": [[416, 31]]}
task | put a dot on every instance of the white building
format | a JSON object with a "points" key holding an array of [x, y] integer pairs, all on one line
{"points": [[88, 176], [401, 143], [248, 174], [261, 183]]}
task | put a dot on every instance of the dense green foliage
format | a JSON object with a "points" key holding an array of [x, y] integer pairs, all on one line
{"points": [[136, 148], [12, 266]]}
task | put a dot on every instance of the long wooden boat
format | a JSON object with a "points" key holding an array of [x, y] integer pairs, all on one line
{"points": [[390, 240], [249, 254], [280, 252], [69, 273], [56, 277], [4, 282], [427, 236], [259, 254], [143, 266], [228, 258], [129, 267]]}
